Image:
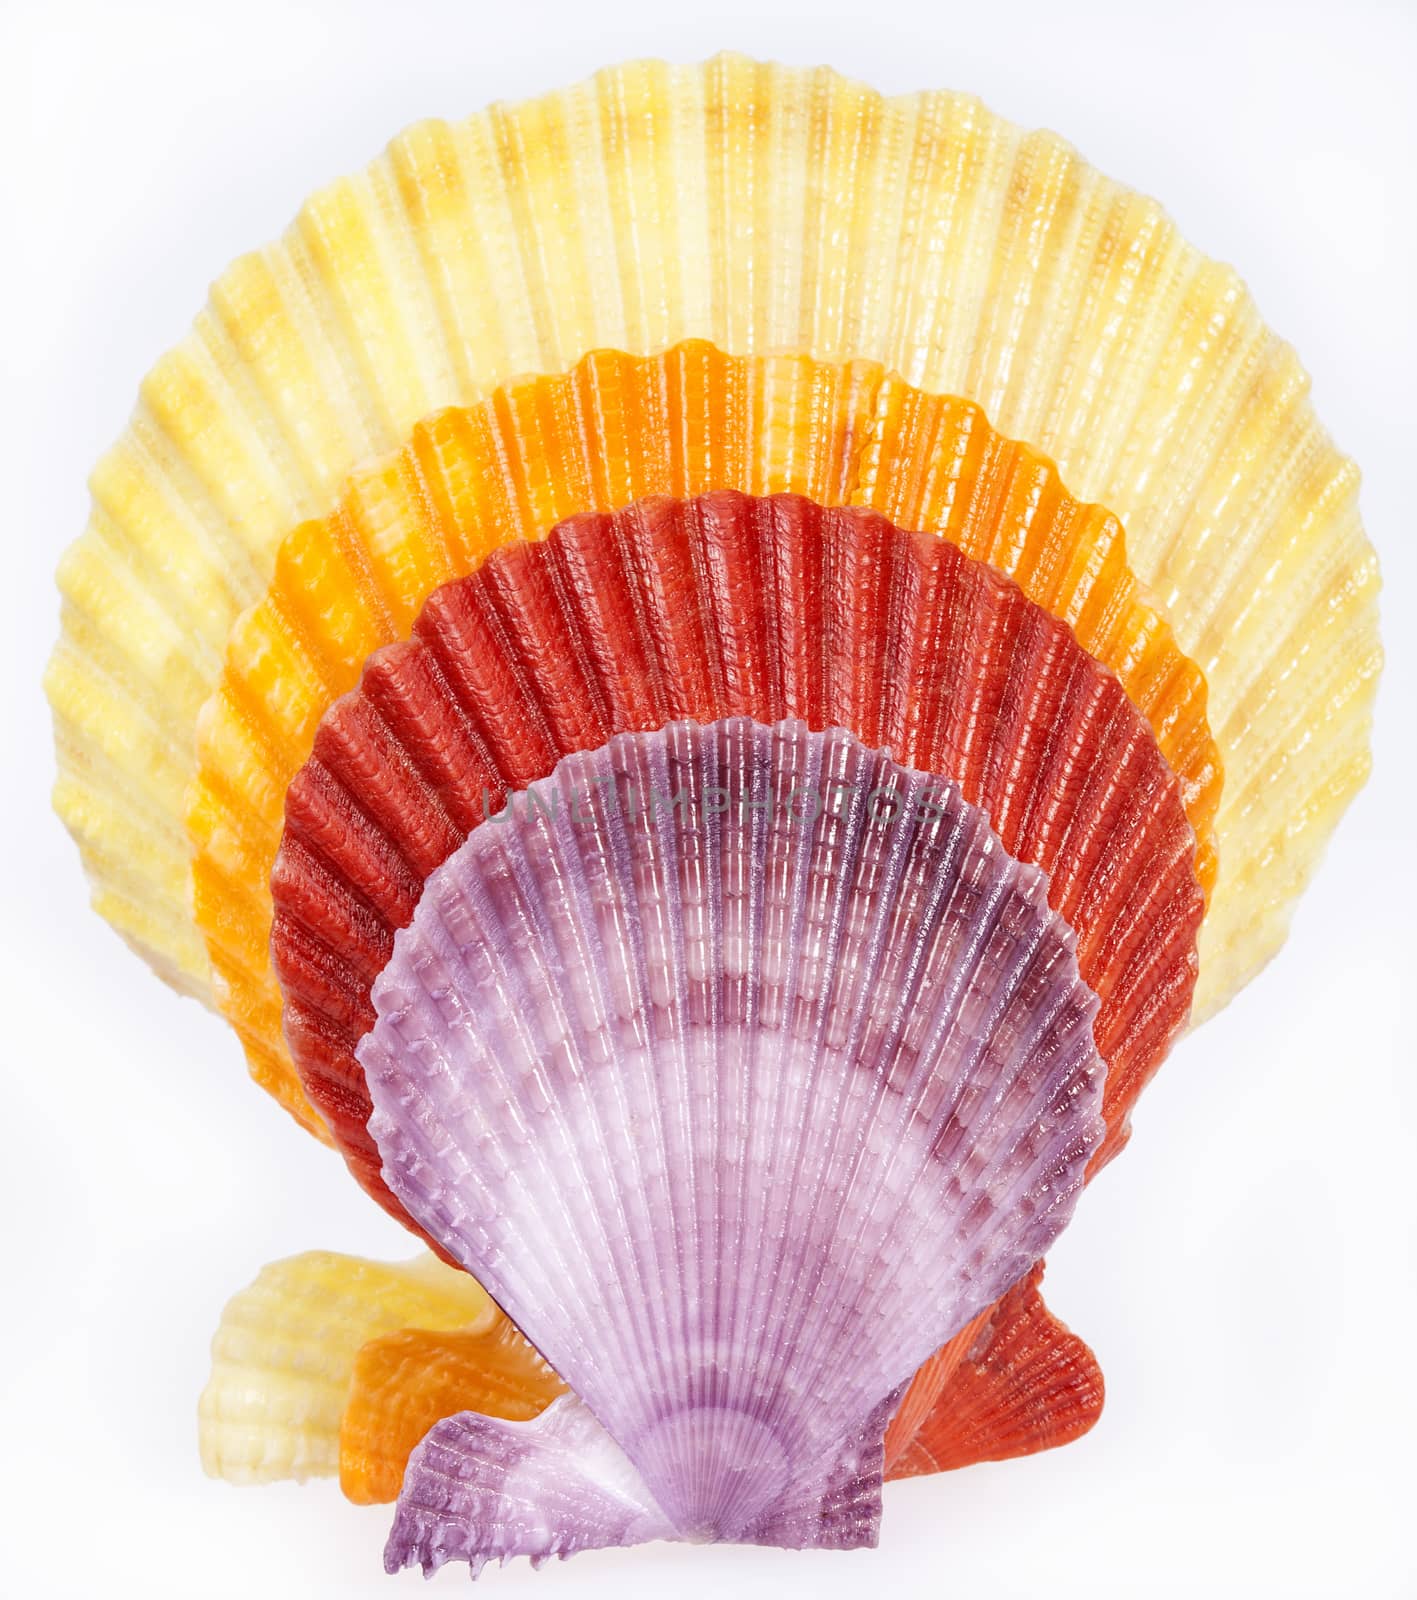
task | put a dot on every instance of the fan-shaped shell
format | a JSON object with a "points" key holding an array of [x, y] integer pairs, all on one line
{"points": [[707, 1006], [471, 482], [765, 208], [718, 606]]}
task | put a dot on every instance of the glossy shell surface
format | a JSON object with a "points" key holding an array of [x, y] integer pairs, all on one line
{"points": [[706, 1004]]}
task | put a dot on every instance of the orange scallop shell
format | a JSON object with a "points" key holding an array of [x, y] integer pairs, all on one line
{"points": [[405, 1382], [615, 429]]}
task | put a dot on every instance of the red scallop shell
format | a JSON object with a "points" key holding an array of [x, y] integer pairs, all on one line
{"points": [[718, 606], [1012, 1383]]}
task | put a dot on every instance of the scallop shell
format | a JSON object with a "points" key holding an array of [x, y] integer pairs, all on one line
{"points": [[559, 1485], [713, 607], [473, 481], [707, 1004], [404, 1383], [284, 1350], [765, 208]]}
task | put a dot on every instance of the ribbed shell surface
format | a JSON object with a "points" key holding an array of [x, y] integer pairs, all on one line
{"points": [[744, 1067]]}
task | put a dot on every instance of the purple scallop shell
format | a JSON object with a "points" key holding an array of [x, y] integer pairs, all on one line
{"points": [[743, 1066]]}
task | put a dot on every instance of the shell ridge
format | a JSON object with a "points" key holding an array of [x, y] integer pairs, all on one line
{"points": [[677, 624], [575, 890], [347, 936], [278, 440], [781, 1098], [458, 632], [1099, 797], [339, 790], [883, 864], [831, 927], [326, 231], [628, 997], [169, 407], [508, 631], [906, 1109], [654, 860], [989, 990], [787, 881], [743, 945], [651, 624], [441, 737], [390, 747], [116, 567], [570, 612]]}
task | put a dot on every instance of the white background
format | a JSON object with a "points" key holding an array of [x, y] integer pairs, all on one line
{"points": [[1245, 1273]]}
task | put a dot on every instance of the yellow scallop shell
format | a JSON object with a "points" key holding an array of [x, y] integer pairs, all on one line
{"points": [[766, 209]]}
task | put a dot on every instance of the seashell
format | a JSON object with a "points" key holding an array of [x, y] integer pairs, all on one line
{"points": [[477, 1492], [615, 429], [288, 1344], [405, 1382], [708, 1004], [1014, 1382], [729, 605], [765, 208]]}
